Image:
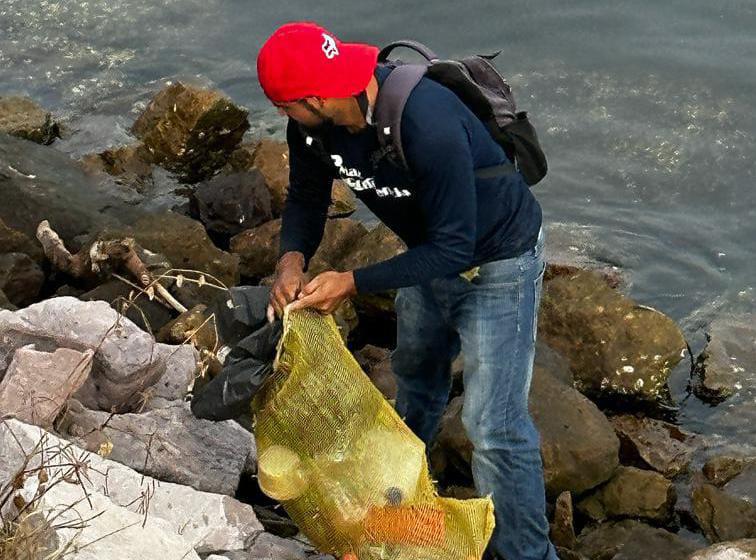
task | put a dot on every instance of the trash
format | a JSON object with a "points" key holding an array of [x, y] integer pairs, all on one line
{"points": [[356, 478]]}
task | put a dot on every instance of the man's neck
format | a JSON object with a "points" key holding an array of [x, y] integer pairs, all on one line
{"points": [[356, 120]]}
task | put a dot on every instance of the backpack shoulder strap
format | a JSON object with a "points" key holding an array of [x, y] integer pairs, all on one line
{"points": [[424, 51], [389, 106]]}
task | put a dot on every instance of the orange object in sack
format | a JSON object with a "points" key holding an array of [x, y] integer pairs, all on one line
{"points": [[409, 525]]}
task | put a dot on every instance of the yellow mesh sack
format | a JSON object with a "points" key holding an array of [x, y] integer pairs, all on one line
{"points": [[346, 468]]}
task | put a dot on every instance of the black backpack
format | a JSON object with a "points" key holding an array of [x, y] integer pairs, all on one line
{"points": [[479, 85]]}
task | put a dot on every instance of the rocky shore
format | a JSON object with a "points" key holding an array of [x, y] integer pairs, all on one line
{"points": [[105, 334]]}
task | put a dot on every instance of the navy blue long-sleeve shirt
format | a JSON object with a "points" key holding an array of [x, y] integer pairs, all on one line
{"points": [[450, 219]]}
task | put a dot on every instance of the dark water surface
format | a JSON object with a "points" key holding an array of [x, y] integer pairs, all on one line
{"points": [[646, 110]]}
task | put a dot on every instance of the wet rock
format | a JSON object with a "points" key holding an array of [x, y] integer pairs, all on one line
{"points": [[743, 485], [129, 165], [631, 492], [723, 468], [154, 519], [723, 517], [258, 249], [167, 444], [578, 446], [40, 183], [728, 358], [22, 117], [191, 131], [616, 349], [562, 528], [37, 384], [376, 363], [230, 204], [127, 360], [743, 549], [632, 540], [653, 444], [20, 278], [14, 241]]}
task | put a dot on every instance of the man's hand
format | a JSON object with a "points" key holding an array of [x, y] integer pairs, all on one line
{"points": [[326, 292], [290, 280]]}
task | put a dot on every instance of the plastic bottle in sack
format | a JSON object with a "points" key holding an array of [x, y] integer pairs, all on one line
{"points": [[281, 474]]}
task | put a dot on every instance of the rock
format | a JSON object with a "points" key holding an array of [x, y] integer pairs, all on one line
{"points": [[343, 201], [20, 278], [271, 547], [5, 303], [567, 554], [22, 117], [376, 363], [631, 492], [193, 326], [181, 367], [167, 444], [632, 540], [616, 349], [562, 529], [728, 358], [230, 204], [653, 444], [14, 241], [723, 517], [177, 520], [743, 549], [40, 183], [37, 384], [578, 446], [129, 165], [127, 360], [191, 131], [743, 485], [723, 468], [341, 236], [258, 249]]}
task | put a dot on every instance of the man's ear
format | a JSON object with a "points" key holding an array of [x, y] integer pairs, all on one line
{"points": [[316, 102]]}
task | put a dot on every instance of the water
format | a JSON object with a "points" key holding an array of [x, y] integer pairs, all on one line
{"points": [[644, 108]]}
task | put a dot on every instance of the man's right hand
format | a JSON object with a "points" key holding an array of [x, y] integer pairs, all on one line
{"points": [[289, 281]]}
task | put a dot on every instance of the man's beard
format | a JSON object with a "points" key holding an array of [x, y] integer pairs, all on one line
{"points": [[326, 123]]}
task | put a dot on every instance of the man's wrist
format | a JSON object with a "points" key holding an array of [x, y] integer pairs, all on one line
{"points": [[291, 258]]}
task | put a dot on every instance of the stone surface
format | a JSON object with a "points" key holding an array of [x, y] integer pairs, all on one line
{"points": [[562, 528], [5, 303], [231, 203], [721, 469], [127, 360], [178, 520], [14, 241], [634, 493], [376, 363], [258, 249], [616, 349], [181, 367], [167, 444], [723, 517], [37, 384], [744, 549], [728, 359], [22, 117], [343, 201], [743, 485], [654, 444], [191, 131], [632, 540], [129, 165], [20, 278]]}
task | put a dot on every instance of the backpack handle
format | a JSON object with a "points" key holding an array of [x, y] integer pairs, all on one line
{"points": [[419, 48]]}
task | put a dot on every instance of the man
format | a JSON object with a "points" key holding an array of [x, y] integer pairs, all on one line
{"points": [[470, 279]]}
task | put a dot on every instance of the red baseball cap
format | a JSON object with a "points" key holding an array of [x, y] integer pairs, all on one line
{"points": [[303, 59]]}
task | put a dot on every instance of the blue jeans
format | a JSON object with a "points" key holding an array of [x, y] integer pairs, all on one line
{"points": [[493, 319]]}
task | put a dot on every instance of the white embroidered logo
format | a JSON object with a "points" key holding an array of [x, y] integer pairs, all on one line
{"points": [[329, 47], [355, 181]]}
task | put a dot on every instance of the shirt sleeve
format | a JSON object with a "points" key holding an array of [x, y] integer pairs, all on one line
{"points": [[308, 197], [440, 158]]}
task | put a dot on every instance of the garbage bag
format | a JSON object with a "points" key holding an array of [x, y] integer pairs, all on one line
{"points": [[345, 467]]}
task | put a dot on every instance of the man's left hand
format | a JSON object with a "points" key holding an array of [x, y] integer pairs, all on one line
{"points": [[326, 291]]}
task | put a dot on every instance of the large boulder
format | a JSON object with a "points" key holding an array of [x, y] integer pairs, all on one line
{"points": [[616, 348], [744, 549], [722, 516], [728, 358], [633, 493], [127, 361], [653, 444], [191, 131], [22, 117], [128, 165], [632, 540], [14, 241], [20, 278], [167, 444], [147, 518], [37, 384]]}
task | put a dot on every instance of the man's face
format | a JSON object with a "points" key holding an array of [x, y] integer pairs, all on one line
{"points": [[308, 112]]}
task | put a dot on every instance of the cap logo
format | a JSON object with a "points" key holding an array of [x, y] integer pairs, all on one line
{"points": [[329, 46]]}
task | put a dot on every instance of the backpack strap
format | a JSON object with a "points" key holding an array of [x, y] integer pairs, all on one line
{"points": [[389, 106], [424, 51]]}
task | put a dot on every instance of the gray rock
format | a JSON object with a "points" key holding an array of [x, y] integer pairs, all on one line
{"points": [[167, 444], [5, 304], [181, 366], [723, 517], [743, 485], [632, 540], [14, 241], [744, 549], [230, 204], [271, 547], [652, 443], [37, 384], [22, 117], [728, 359], [155, 520], [634, 493], [20, 278]]}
